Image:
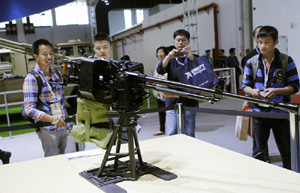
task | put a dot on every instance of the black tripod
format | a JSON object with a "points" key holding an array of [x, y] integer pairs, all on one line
{"points": [[105, 176]]}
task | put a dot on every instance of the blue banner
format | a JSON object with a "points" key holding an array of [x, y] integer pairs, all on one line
{"points": [[15, 9]]}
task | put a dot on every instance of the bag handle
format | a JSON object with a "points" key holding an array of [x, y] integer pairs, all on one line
{"points": [[186, 62]]}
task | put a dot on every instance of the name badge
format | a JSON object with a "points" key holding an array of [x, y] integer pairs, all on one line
{"points": [[56, 109]]}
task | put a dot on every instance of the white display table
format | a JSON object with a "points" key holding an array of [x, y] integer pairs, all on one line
{"points": [[200, 167]]}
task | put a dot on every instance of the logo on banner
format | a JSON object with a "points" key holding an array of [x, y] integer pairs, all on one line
{"points": [[199, 69]]}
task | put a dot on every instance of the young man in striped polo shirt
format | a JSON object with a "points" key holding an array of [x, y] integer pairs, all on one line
{"points": [[274, 84]]}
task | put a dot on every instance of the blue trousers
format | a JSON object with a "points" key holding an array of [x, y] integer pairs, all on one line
{"points": [[188, 123]]}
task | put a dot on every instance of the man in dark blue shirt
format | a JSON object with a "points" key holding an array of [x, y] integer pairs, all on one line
{"points": [[220, 61], [232, 62], [171, 64]]}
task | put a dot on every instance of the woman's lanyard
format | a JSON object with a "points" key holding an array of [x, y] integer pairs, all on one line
{"points": [[266, 71]]}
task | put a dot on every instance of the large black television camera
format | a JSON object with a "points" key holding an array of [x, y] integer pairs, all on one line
{"points": [[105, 81]]}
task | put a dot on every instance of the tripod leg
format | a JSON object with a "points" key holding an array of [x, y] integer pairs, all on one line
{"points": [[131, 152], [119, 141], [105, 158], [135, 137], [118, 145]]}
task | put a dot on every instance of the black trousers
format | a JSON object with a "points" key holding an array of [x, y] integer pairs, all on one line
{"points": [[162, 115], [261, 133]]}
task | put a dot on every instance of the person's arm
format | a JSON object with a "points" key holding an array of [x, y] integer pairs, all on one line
{"points": [[234, 62], [271, 92], [189, 52], [160, 69], [166, 60], [247, 83], [50, 118], [252, 92], [30, 91], [162, 65]]}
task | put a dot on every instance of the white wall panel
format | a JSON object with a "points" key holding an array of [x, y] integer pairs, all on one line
{"points": [[284, 15]]}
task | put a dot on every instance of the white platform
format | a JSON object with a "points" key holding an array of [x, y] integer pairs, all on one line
{"points": [[200, 166]]}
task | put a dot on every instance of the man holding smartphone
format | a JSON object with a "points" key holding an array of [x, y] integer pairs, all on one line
{"points": [[170, 65]]}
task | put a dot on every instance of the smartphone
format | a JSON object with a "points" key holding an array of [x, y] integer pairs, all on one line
{"points": [[263, 94], [178, 53]]}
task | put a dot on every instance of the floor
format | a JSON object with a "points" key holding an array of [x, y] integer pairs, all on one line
{"points": [[213, 128]]}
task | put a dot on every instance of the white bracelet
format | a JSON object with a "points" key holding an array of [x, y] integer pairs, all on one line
{"points": [[56, 119]]}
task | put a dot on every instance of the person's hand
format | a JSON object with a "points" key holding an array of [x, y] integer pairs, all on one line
{"points": [[271, 93], [189, 52], [246, 105], [255, 94], [171, 54], [61, 123]]}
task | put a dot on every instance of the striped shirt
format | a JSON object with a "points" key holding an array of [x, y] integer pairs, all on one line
{"points": [[30, 90], [274, 79]]}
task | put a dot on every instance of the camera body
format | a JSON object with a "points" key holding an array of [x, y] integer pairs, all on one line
{"points": [[105, 81]]}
